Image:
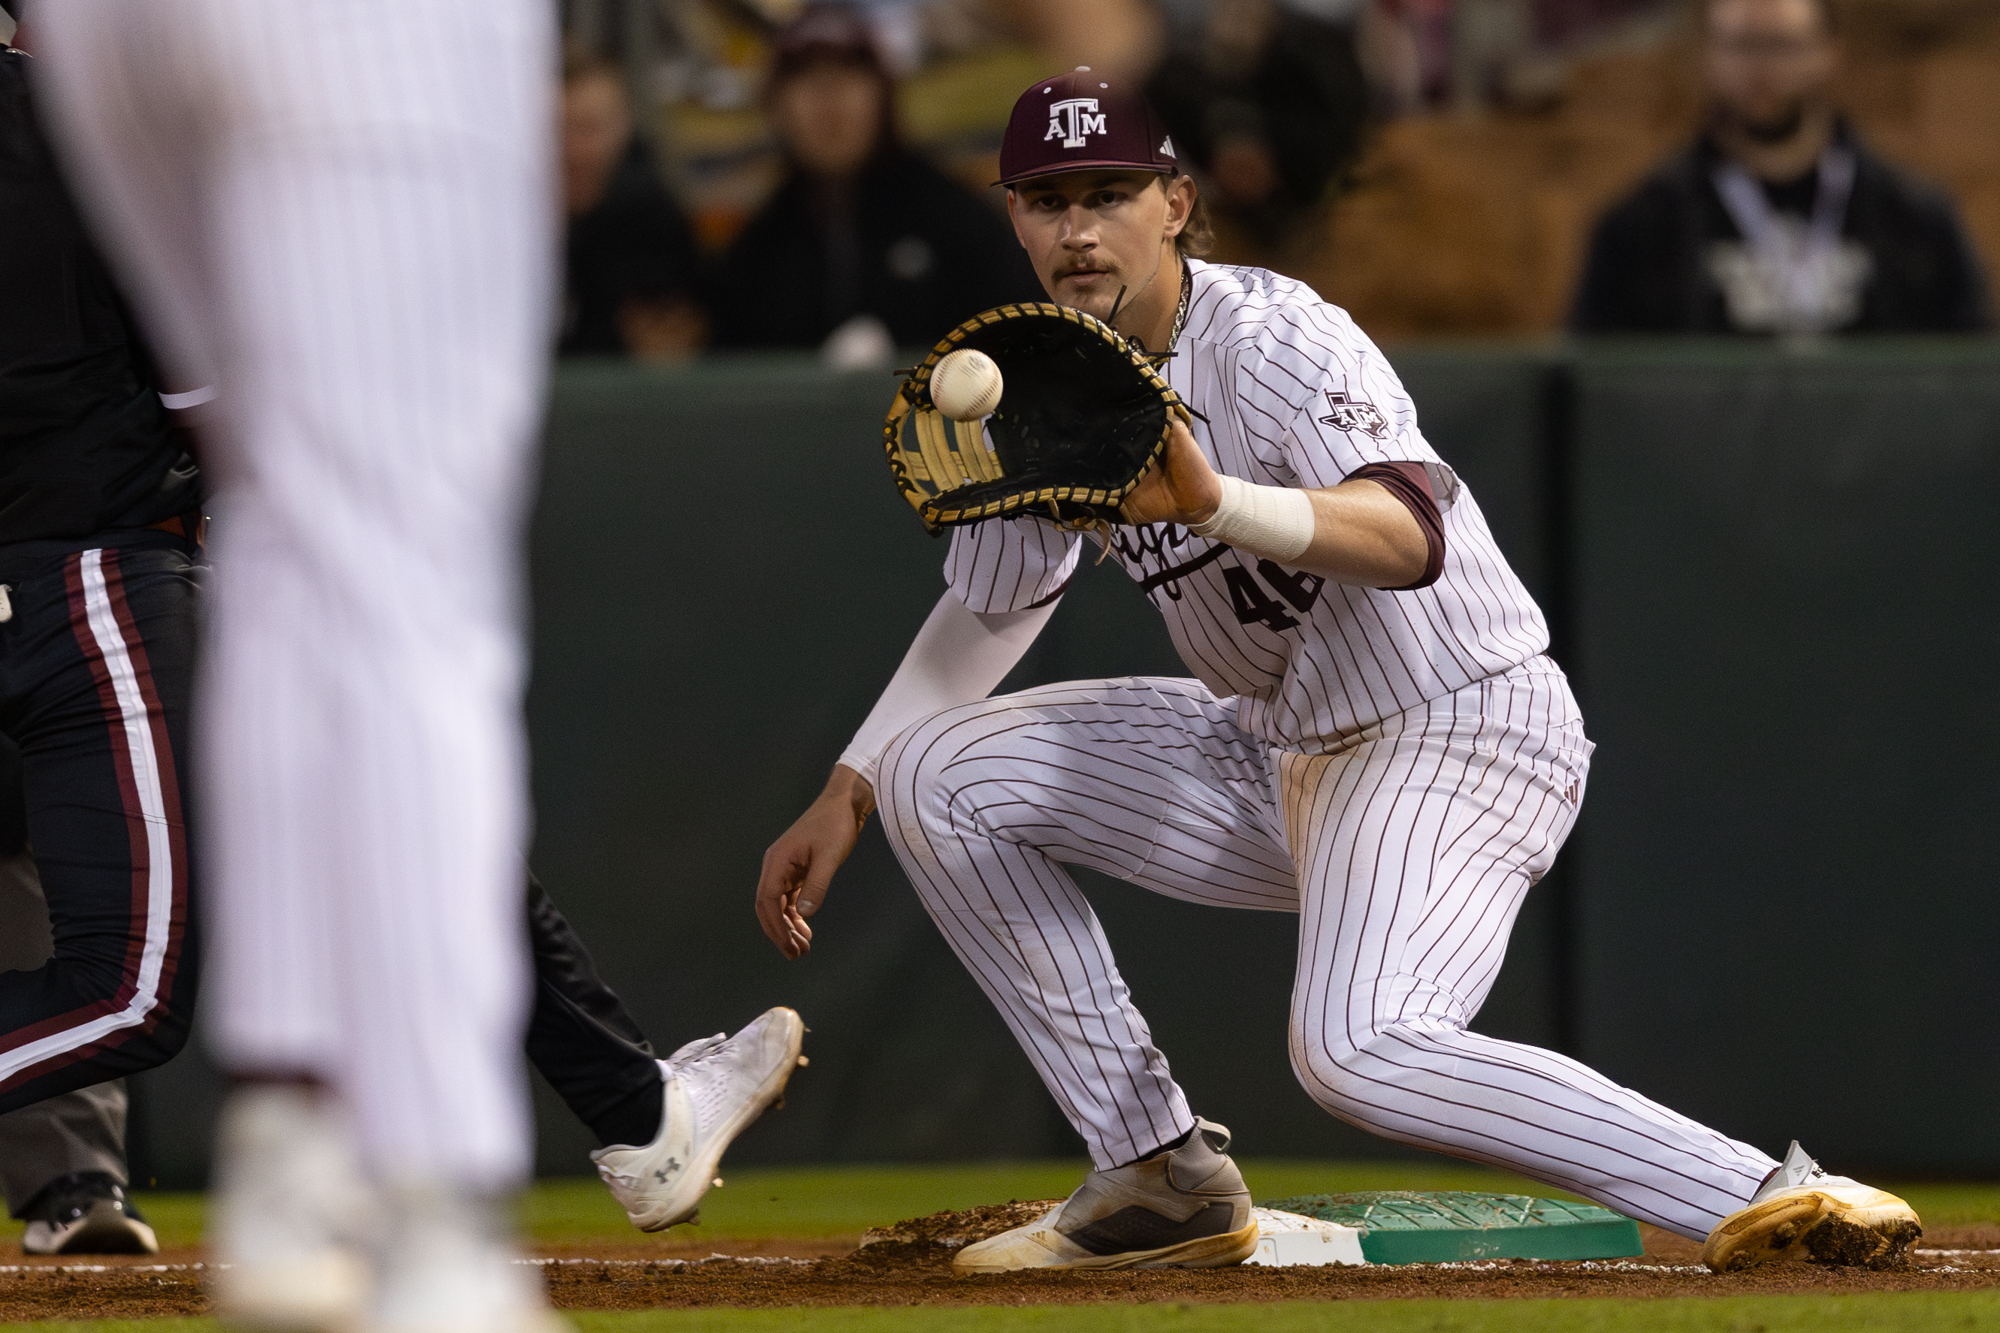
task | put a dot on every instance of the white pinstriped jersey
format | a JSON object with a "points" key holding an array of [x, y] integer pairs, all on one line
{"points": [[1294, 395]]}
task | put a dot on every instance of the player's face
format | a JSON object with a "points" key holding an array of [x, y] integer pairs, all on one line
{"points": [[1090, 233], [1768, 61]]}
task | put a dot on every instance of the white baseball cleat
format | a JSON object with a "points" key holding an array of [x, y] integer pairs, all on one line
{"points": [[444, 1264], [714, 1088], [1802, 1213], [1184, 1207], [289, 1212]]}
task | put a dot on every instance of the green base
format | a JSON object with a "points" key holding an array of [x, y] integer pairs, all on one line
{"points": [[1450, 1226]]}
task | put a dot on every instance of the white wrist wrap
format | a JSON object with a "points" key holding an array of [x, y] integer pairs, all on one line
{"points": [[1274, 521]]}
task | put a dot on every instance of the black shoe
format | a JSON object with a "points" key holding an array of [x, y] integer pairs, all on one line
{"points": [[86, 1213]]}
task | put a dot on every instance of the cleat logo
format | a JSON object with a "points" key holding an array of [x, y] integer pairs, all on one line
{"points": [[672, 1167], [1073, 120], [1353, 415]]}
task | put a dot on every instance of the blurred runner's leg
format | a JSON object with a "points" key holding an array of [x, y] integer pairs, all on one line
{"points": [[338, 211]]}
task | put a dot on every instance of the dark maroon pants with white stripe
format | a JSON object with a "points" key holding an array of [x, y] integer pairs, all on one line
{"points": [[95, 675], [96, 663]]}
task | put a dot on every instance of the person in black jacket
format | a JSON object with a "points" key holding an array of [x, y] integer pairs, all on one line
{"points": [[1778, 219], [629, 259], [1271, 103], [863, 237]]}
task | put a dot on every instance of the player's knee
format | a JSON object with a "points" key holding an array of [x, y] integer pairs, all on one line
{"points": [[173, 1021], [910, 789], [162, 1038], [1331, 1064], [922, 773], [169, 1037]]}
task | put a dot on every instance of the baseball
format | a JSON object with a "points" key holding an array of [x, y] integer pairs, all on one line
{"points": [[966, 385]]}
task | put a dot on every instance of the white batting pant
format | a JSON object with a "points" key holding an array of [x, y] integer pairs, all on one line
{"points": [[339, 212], [1407, 855]]}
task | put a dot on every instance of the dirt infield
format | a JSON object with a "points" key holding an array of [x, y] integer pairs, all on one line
{"points": [[910, 1264]]}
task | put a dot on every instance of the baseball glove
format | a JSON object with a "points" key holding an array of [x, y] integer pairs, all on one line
{"points": [[1082, 415]]}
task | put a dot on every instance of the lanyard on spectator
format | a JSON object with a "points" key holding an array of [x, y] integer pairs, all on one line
{"points": [[1804, 267]]}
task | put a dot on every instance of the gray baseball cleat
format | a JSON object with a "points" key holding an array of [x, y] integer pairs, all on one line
{"points": [[715, 1088], [1802, 1213], [1183, 1207], [86, 1213]]}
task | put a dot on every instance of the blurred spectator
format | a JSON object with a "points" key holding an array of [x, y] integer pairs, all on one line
{"points": [[1778, 220], [630, 264], [865, 246], [1268, 100], [1121, 38]]}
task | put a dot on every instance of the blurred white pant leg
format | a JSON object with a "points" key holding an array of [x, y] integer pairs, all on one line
{"points": [[358, 220]]}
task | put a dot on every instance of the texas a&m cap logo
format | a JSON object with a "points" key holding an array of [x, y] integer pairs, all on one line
{"points": [[1079, 121], [1074, 120]]}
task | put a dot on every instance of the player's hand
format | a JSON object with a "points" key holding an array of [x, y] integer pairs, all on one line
{"points": [[1181, 487], [799, 866]]}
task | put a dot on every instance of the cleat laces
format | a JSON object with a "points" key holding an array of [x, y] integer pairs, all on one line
{"points": [[711, 1077]]}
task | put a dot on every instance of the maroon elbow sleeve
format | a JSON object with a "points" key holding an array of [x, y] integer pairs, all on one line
{"points": [[1409, 483]]}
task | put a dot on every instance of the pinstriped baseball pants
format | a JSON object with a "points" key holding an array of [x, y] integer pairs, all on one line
{"points": [[337, 212], [1406, 854]]}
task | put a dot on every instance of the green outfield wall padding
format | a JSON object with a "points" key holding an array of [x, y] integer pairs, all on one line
{"points": [[1775, 576], [1457, 1226], [1787, 577]]}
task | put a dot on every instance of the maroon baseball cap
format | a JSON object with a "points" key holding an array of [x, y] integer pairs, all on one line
{"points": [[1078, 121]]}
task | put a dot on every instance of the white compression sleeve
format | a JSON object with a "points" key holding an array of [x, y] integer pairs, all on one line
{"points": [[957, 657], [1276, 521]]}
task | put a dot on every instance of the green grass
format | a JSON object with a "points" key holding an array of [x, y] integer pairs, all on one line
{"points": [[1918, 1312], [847, 1200], [1953, 1205]]}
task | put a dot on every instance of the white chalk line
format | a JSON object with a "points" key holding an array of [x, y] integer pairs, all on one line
{"points": [[769, 1260]]}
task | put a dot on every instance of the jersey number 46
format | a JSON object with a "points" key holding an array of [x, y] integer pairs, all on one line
{"points": [[1254, 606]]}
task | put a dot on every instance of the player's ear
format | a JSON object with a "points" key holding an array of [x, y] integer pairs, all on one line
{"points": [[1179, 190], [1015, 218]]}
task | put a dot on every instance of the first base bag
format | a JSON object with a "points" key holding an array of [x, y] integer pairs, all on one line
{"points": [[1082, 416]]}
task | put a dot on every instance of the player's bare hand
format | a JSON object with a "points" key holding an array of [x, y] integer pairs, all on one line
{"points": [[1180, 488], [799, 866]]}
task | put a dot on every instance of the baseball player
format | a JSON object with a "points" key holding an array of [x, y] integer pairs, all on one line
{"points": [[100, 514], [336, 212], [100, 519], [1373, 738]]}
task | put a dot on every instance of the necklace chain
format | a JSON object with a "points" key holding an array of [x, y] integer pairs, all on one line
{"points": [[1180, 314], [1180, 318]]}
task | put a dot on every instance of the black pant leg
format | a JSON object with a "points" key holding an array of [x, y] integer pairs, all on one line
{"points": [[96, 669], [581, 1038]]}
